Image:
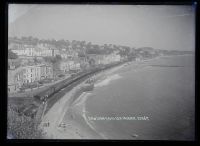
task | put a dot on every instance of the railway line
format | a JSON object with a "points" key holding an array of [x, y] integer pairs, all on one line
{"points": [[48, 97]]}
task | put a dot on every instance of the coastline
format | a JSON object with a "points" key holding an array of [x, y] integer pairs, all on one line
{"points": [[67, 120], [63, 112], [151, 77]]}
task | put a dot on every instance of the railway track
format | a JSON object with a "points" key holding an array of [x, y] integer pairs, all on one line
{"points": [[69, 86], [50, 96], [54, 98]]}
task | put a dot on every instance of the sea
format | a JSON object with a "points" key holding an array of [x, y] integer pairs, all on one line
{"points": [[146, 100]]}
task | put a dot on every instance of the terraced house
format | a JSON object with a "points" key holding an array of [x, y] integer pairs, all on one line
{"points": [[28, 74], [69, 65], [37, 72], [40, 50]]}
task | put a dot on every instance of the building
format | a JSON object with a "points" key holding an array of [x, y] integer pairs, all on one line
{"points": [[28, 74], [114, 57], [39, 50], [95, 59], [69, 54], [75, 65], [105, 59], [37, 72], [64, 66], [64, 55], [55, 52], [24, 50], [69, 65], [47, 71], [84, 63], [15, 79]]}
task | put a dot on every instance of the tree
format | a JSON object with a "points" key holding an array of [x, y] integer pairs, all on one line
{"points": [[146, 52], [23, 38], [67, 43], [12, 55], [125, 51], [36, 60], [92, 62], [58, 58], [35, 41], [82, 43], [81, 54], [89, 44], [30, 38], [132, 56], [15, 38], [21, 126], [96, 50], [54, 61], [105, 46]]}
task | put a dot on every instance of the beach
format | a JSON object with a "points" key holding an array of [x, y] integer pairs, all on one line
{"points": [[164, 94], [67, 120]]}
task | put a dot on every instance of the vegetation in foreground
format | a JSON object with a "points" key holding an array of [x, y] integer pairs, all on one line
{"points": [[21, 126]]}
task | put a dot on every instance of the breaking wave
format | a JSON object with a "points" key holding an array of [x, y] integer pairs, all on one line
{"points": [[107, 80]]}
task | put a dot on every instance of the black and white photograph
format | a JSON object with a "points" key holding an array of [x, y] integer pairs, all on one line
{"points": [[101, 72]]}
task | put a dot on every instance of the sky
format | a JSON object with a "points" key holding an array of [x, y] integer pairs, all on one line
{"points": [[168, 27]]}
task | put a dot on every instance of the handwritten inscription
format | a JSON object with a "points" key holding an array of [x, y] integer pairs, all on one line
{"points": [[139, 118]]}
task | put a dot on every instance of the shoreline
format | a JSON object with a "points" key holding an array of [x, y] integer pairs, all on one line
{"points": [[100, 128], [73, 116], [78, 107], [77, 128]]}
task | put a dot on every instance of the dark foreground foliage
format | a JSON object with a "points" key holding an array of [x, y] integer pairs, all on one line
{"points": [[21, 126]]}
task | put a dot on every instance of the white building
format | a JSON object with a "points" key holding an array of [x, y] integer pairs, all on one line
{"points": [[37, 72], [40, 51], [68, 65], [111, 58], [64, 66]]}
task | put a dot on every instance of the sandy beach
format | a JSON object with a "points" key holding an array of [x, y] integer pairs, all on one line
{"points": [[67, 120]]}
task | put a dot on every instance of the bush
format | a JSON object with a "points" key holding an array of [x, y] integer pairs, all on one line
{"points": [[61, 75], [21, 126], [45, 81], [12, 55]]}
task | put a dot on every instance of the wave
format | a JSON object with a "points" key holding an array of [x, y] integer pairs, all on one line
{"points": [[80, 105], [107, 80], [82, 98], [90, 125]]}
